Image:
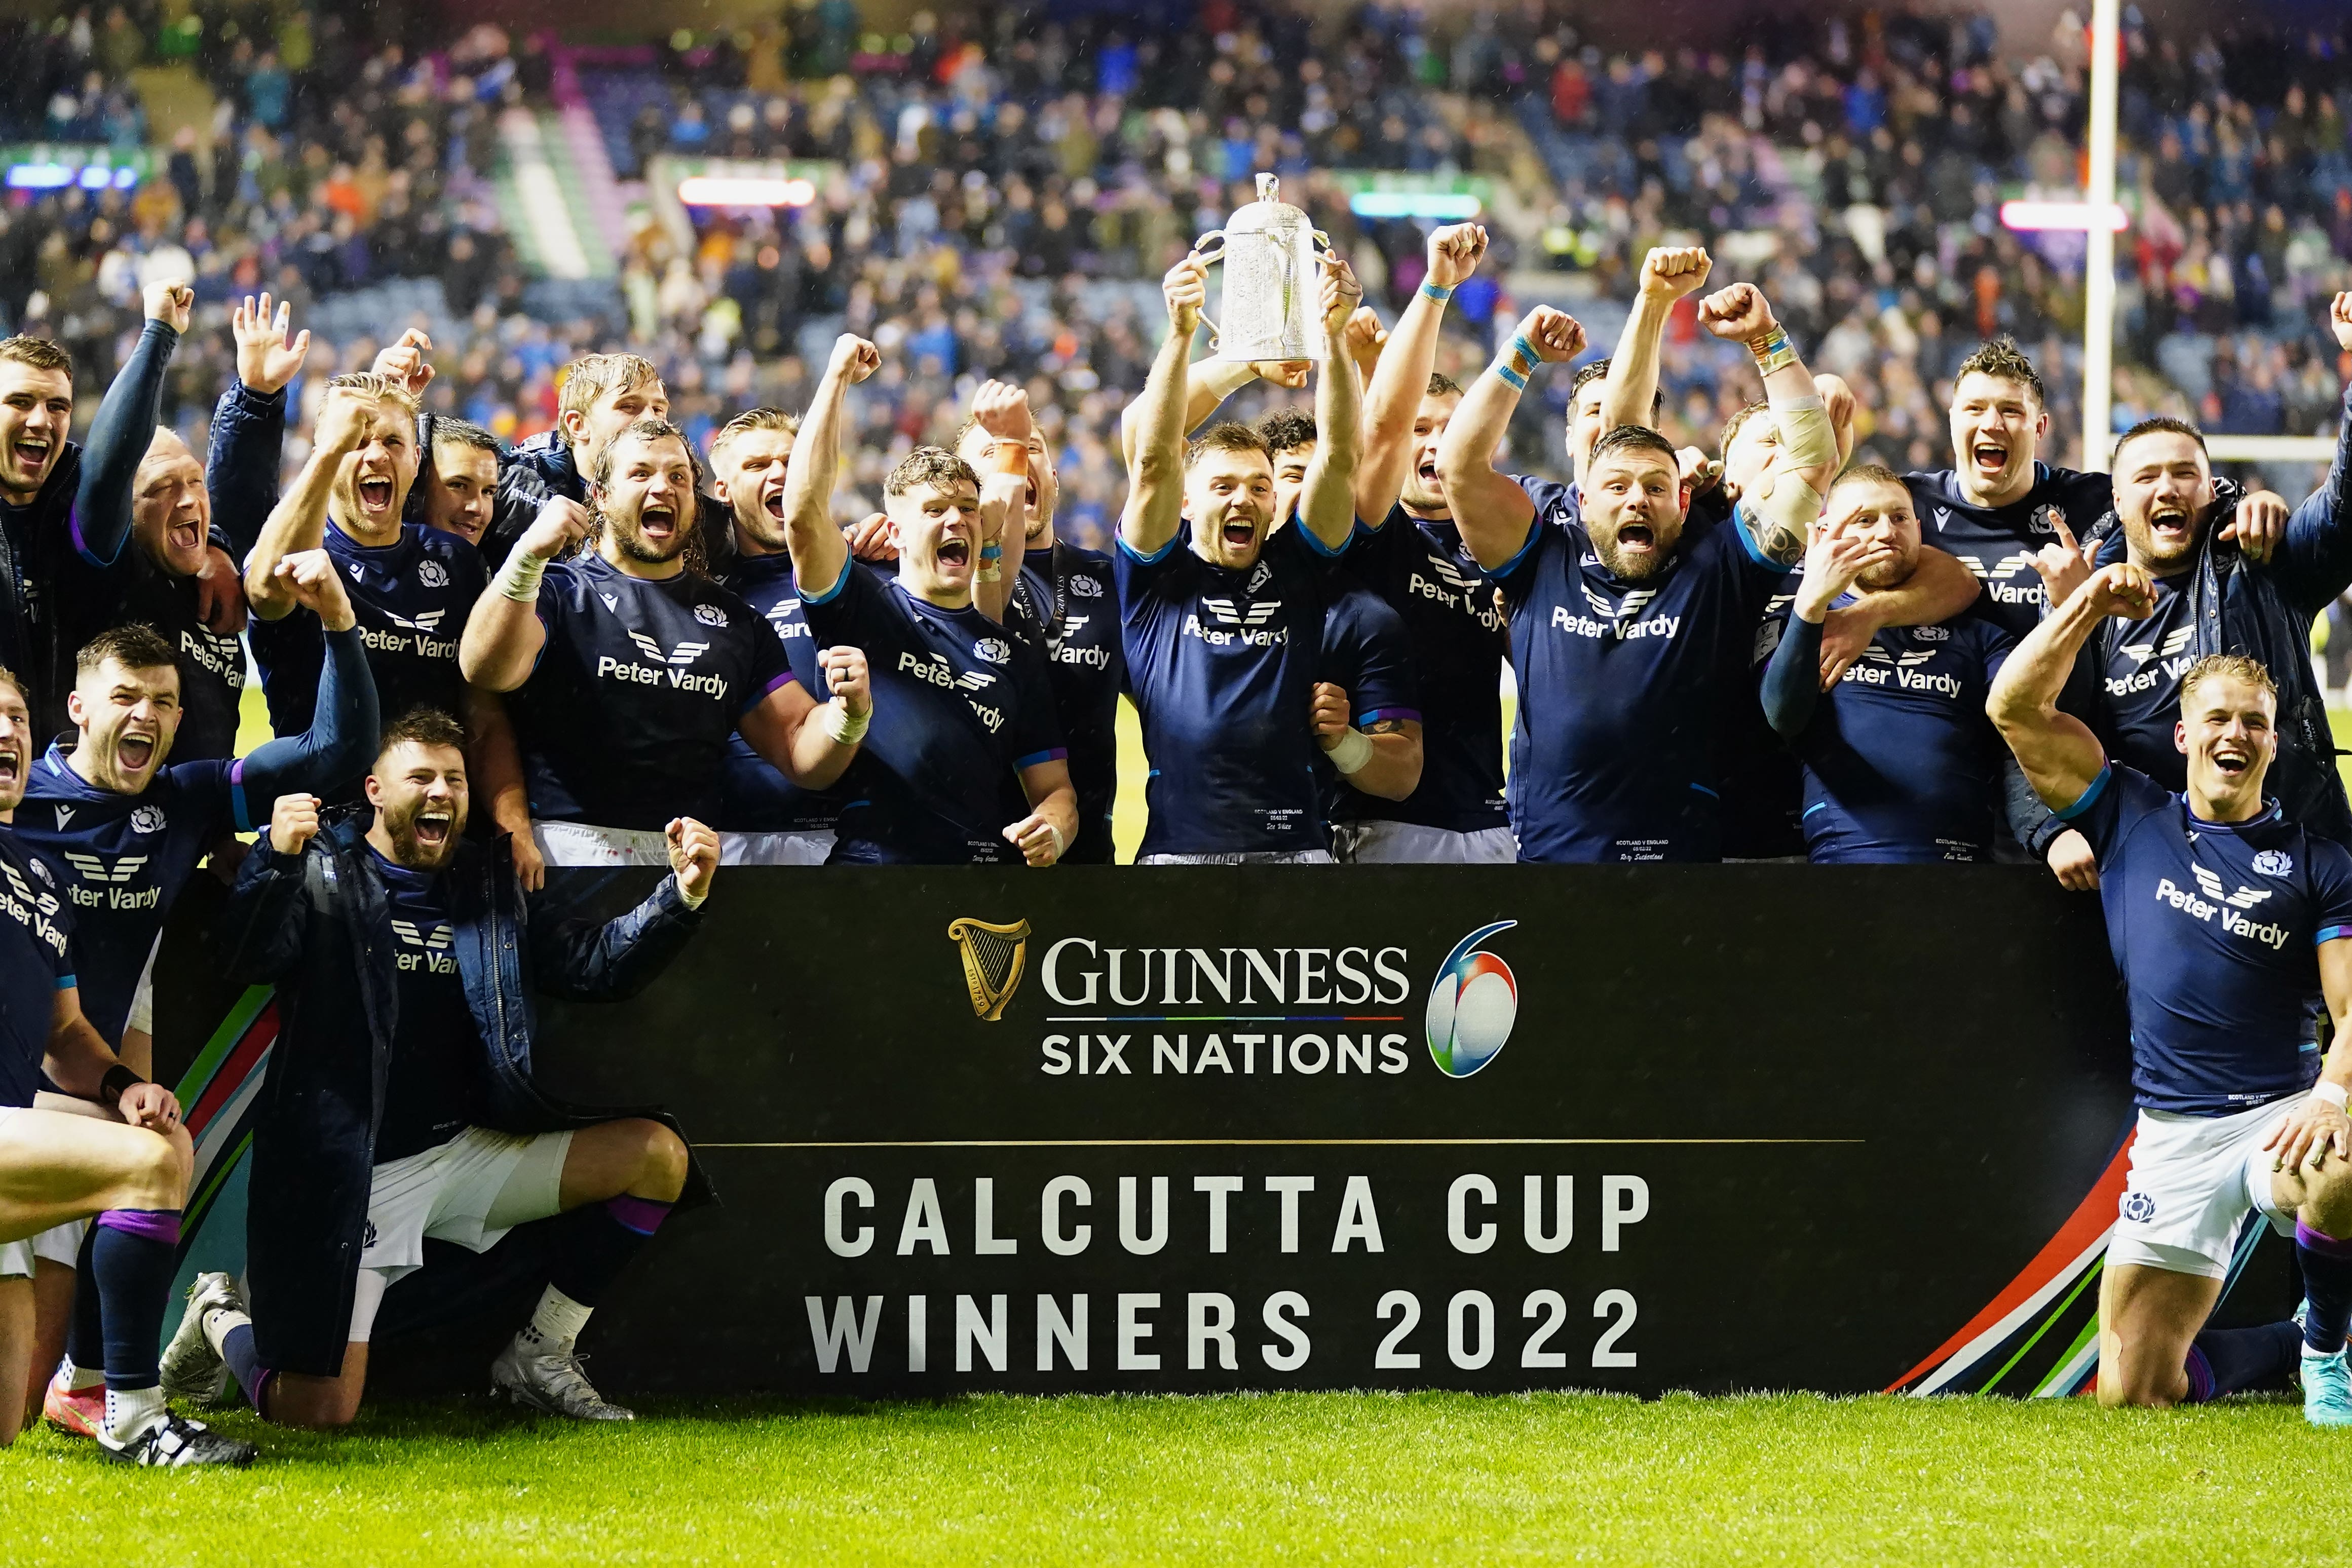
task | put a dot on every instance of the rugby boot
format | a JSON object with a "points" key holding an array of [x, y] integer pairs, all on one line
{"points": [[193, 1372], [173, 1442], [76, 1412], [552, 1382], [2326, 1390]]}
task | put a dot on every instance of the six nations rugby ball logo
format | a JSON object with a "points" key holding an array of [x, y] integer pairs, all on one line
{"points": [[1473, 1003]]}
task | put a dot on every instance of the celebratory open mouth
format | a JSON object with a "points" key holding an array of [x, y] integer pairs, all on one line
{"points": [[2173, 525], [184, 536], [134, 752], [2230, 760], [1991, 457], [375, 495], [773, 501], [1427, 473], [955, 552], [1239, 533], [1636, 536], [657, 523], [33, 451], [12, 769], [433, 827]]}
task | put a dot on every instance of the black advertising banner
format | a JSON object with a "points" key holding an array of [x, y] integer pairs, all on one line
{"points": [[1484, 1128]]}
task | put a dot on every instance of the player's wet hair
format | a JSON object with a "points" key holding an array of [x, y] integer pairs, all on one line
{"points": [[37, 353], [1286, 430], [750, 420], [464, 433], [1230, 435], [2159, 424], [591, 376], [648, 429], [374, 388], [424, 726], [928, 465], [1634, 438], [1594, 371], [2227, 667], [2003, 361], [1442, 385], [135, 645]]}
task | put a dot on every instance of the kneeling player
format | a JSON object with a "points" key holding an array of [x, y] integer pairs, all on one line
{"points": [[2232, 926], [55, 1170], [465, 1147]]}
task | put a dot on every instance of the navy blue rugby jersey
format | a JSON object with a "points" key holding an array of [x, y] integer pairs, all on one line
{"points": [[1458, 642], [625, 719], [35, 964], [960, 707], [1066, 602], [1999, 543], [211, 667], [1368, 653], [1901, 765], [1222, 666], [439, 1082], [753, 796], [2214, 926], [1617, 747], [411, 599], [2139, 666]]}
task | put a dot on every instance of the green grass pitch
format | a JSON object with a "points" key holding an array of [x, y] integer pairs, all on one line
{"points": [[1339, 1478]]}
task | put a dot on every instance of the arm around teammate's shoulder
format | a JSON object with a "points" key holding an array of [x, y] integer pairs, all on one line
{"points": [[2060, 755]]}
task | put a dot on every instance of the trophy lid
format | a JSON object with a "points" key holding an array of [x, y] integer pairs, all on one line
{"points": [[1268, 212]]}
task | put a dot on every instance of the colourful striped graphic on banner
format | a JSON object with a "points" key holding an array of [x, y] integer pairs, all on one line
{"points": [[218, 1091]]}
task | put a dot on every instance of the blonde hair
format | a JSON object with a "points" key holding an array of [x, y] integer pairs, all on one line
{"points": [[750, 420], [2228, 667], [375, 388], [591, 376]]}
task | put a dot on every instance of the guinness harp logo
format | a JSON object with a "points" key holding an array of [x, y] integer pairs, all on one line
{"points": [[993, 957]]}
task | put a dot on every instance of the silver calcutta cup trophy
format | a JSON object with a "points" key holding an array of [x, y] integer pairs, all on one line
{"points": [[1272, 280]]}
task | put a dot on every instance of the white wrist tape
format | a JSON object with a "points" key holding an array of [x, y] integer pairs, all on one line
{"points": [[693, 900], [519, 578], [1807, 440], [1060, 843], [1355, 750], [844, 725], [2334, 1094]]}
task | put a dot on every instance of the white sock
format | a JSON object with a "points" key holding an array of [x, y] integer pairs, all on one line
{"points": [[216, 1324], [80, 1378], [131, 1411], [556, 1325]]}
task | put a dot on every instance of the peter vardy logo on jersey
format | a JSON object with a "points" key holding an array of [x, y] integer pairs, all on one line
{"points": [[711, 615], [412, 637], [1231, 625], [432, 574], [148, 819], [1877, 667], [1473, 1004], [2209, 902], [668, 669], [995, 650], [936, 670], [1624, 622], [220, 657], [101, 883], [35, 912], [1448, 587], [2173, 659], [427, 948], [786, 619], [2011, 580], [1064, 653]]}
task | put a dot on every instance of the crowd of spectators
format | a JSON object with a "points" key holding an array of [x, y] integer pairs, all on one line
{"points": [[1006, 190]]}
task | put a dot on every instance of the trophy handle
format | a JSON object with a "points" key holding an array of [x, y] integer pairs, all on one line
{"points": [[1212, 326], [1200, 246]]}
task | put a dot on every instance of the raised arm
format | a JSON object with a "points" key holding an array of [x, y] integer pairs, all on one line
{"points": [[345, 722], [613, 960], [1211, 382], [1630, 394], [1787, 496], [1002, 408], [504, 635], [808, 742], [124, 426], [1326, 498], [819, 553], [2060, 755], [1400, 376], [2315, 556], [299, 522], [248, 432], [1155, 471], [1489, 508]]}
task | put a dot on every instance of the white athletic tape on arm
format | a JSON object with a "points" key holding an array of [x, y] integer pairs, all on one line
{"points": [[1806, 442], [2334, 1094], [844, 725], [519, 578], [1060, 843], [1355, 750]]}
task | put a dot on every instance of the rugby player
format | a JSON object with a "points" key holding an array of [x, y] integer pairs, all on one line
{"points": [[458, 1144], [124, 825], [457, 490], [2232, 925], [66, 512], [631, 674], [1223, 618], [1999, 504], [1623, 633], [960, 708], [1063, 600], [1409, 551], [176, 579], [1900, 764], [57, 1169], [598, 398]]}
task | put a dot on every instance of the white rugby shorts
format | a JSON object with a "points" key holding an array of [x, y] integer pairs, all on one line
{"points": [[59, 1244], [1406, 843], [2193, 1179], [813, 847], [471, 1190], [1245, 857]]}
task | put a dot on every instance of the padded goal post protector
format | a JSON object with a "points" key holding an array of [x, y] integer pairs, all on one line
{"points": [[1189, 1129]]}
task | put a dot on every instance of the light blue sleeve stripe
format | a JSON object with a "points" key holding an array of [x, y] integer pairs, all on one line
{"points": [[2331, 934], [1155, 557], [2089, 797], [829, 595], [67, 982]]}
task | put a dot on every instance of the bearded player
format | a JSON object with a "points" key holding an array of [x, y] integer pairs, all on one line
{"points": [[2233, 928]]}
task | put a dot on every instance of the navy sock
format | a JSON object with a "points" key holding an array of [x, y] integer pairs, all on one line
{"points": [[86, 1331], [2231, 1360], [604, 1244], [245, 1365], [2326, 1265], [132, 1254]]}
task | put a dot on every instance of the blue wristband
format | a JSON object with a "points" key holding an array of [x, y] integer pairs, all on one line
{"points": [[992, 553], [1440, 293], [1522, 348], [1503, 369]]}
